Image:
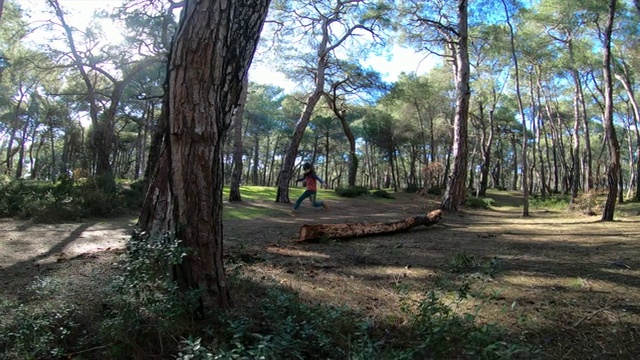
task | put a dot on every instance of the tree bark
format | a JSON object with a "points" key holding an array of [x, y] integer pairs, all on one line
{"points": [[343, 231], [236, 172], [455, 193], [525, 188], [212, 50], [614, 147], [636, 116]]}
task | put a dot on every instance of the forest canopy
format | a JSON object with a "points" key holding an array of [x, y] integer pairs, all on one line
{"points": [[84, 98]]}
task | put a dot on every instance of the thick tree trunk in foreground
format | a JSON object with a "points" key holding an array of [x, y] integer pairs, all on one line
{"points": [[341, 231], [212, 50]]}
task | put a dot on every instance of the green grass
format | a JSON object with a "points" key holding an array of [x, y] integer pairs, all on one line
{"points": [[254, 197], [268, 193], [628, 209], [237, 211]]}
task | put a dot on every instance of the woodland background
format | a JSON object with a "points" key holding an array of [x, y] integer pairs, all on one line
{"points": [[80, 105]]}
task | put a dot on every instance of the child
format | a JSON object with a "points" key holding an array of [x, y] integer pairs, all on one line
{"points": [[310, 179]]}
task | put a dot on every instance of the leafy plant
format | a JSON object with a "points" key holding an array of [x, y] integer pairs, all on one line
{"points": [[36, 333], [479, 203], [352, 192], [381, 194], [146, 301], [556, 202], [439, 332]]}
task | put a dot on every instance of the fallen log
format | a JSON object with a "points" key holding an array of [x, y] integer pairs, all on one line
{"points": [[342, 231]]}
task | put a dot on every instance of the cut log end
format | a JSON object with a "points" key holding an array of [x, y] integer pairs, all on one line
{"points": [[343, 231]]}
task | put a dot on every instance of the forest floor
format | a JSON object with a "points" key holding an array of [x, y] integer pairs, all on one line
{"points": [[559, 281]]}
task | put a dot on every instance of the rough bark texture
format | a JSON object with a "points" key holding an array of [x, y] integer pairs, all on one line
{"points": [[343, 231], [236, 172], [614, 146], [211, 52], [456, 192]]}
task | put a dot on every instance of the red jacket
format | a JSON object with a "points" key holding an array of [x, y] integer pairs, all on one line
{"points": [[310, 179]]}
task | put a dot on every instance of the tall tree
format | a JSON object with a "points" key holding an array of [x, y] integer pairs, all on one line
{"points": [[236, 172], [430, 25], [210, 55], [514, 58], [612, 139], [347, 80], [93, 73], [326, 26]]}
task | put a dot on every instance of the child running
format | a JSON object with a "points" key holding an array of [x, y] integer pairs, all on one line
{"points": [[310, 178]]}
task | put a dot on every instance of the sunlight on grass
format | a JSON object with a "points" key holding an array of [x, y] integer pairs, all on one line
{"points": [[268, 193], [629, 209], [249, 212], [257, 202]]}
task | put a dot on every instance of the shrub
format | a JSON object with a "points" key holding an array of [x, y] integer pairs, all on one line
{"points": [[588, 202], [412, 189], [66, 199], [285, 327], [438, 332], [352, 192], [479, 203], [559, 202], [435, 190], [381, 194], [146, 300]]}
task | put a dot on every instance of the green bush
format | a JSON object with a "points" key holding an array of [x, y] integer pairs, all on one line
{"points": [[435, 190], [288, 328], [381, 194], [479, 203], [352, 192], [48, 332], [550, 202], [145, 298], [66, 199], [411, 189], [437, 331]]}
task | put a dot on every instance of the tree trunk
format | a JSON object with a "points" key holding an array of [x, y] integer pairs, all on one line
{"points": [[353, 159], [614, 147], [455, 193], [525, 189], [343, 231], [514, 148], [212, 50], [23, 141], [636, 116], [236, 172], [282, 193]]}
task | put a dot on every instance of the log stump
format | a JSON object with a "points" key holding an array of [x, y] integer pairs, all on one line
{"points": [[343, 231]]}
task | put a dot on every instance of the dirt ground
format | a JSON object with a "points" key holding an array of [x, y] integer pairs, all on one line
{"points": [[558, 280]]}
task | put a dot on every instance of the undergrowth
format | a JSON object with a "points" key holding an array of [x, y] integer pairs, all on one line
{"points": [[145, 315], [67, 199]]}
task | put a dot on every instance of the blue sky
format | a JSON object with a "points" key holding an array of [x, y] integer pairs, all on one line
{"points": [[390, 67]]}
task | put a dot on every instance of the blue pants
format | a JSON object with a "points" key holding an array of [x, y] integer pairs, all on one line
{"points": [[312, 197]]}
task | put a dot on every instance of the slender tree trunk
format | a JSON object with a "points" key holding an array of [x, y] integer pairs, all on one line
{"points": [[636, 118], [514, 149], [455, 193], [236, 172], [614, 147], [588, 158], [575, 158], [286, 172], [212, 50], [23, 141], [525, 190]]}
